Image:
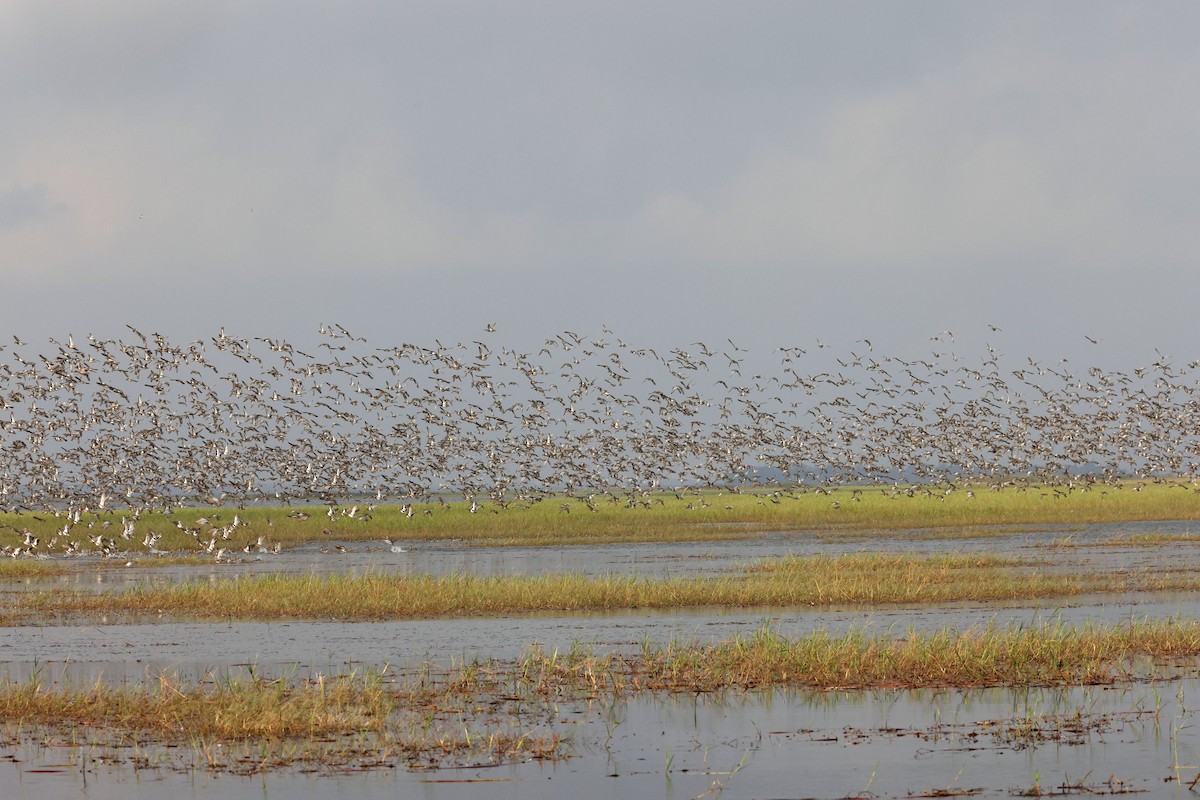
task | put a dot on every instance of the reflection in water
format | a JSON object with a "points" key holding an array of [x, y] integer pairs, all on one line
{"points": [[882, 742], [879, 743], [649, 559]]}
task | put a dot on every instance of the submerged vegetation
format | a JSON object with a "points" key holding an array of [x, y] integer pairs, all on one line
{"points": [[545, 704], [364, 719], [491, 712], [497, 711]]}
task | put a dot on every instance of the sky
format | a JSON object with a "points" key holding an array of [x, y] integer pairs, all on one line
{"points": [[771, 173]]}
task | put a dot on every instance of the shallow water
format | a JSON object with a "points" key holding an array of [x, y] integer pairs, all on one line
{"points": [[880, 743], [793, 744], [84, 653], [669, 559]]}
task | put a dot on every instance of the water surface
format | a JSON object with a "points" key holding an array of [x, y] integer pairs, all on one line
{"points": [[882, 743]]}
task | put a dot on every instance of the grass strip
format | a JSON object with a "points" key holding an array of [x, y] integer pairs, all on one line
{"points": [[16, 569], [251, 707], [1142, 540], [1013, 656], [855, 579], [627, 517], [357, 719], [234, 709]]}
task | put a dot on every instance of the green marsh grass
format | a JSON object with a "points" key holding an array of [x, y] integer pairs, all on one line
{"points": [[659, 516], [853, 579], [15, 569], [1013, 656], [293, 720], [232, 708], [1156, 539], [637, 517], [436, 712]]}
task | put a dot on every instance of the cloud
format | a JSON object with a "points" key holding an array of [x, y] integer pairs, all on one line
{"points": [[936, 174], [179, 199], [572, 164], [22, 206]]}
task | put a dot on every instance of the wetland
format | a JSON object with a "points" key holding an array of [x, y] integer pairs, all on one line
{"points": [[823, 661], [248, 568]]}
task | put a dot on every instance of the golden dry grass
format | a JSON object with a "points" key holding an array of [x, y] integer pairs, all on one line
{"points": [[853, 579], [1011, 656], [255, 708]]}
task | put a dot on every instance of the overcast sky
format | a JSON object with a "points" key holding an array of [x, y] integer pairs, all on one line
{"points": [[775, 173]]}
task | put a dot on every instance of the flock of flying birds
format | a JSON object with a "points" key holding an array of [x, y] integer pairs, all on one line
{"points": [[142, 422]]}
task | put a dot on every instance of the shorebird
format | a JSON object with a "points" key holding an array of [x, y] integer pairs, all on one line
{"points": [[115, 426]]}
